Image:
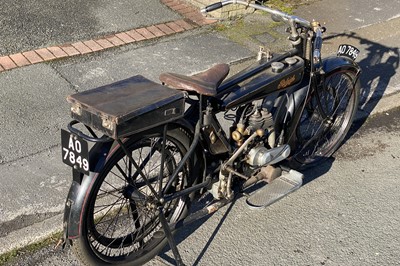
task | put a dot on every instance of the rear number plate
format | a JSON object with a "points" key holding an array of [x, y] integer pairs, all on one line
{"points": [[75, 152], [348, 50]]}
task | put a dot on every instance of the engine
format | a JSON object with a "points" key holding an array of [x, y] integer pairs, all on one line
{"points": [[259, 151], [255, 138]]}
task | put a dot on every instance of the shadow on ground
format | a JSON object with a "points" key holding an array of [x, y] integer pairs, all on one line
{"points": [[378, 67]]}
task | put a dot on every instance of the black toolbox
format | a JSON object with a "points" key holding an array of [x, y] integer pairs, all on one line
{"points": [[127, 106]]}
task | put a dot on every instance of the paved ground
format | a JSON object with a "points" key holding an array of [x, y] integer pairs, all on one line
{"points": [[346, 214], [33, 108], [30, 24]]}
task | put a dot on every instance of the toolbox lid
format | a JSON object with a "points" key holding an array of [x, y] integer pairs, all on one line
{"points": [[125, 99]]}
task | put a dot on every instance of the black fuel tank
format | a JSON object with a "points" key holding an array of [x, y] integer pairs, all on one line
{"points": [[278, 76]]}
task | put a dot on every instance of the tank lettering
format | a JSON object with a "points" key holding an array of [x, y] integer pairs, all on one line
{"points": [[286, 82]]}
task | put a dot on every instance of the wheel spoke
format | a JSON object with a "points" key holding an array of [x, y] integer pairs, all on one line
{"points": [[326, 118], [120, 228], [108, 211]]}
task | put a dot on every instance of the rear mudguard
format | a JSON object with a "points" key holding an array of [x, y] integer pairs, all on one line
{"points": [[80, 188], [82, 185]]}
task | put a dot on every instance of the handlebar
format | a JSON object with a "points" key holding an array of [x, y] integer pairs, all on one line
{"points": [[211, 7]]}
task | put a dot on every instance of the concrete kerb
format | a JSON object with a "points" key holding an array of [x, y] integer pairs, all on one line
{"points": [[192, 19], [34, 233]]}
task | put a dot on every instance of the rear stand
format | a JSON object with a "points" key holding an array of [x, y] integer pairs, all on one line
{"points": [[170, 238]]}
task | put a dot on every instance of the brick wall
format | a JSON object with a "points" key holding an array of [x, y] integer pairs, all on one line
{"points": [[226, 12]]}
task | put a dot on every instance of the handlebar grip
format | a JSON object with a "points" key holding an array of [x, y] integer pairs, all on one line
{"points": [[212, 7]]}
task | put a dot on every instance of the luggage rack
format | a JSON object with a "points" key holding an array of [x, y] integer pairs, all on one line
{"points": [[79, 133]]}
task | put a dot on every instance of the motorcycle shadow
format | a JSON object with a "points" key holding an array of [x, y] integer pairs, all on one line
{"points": [[187, 231], [379, 64], [313, 173], [310, 175]]}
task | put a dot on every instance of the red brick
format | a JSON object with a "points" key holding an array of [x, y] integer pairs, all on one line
{"points": [[173, 4], [20, 59], [115, 40], [184, 24], [7, 63], [165, 29], [175, 27], [145, 33], [135, 35], [104, 43], [1, 69], [83, 49], [187, 10], [94, 46], [194, 16], [45, 54], [125, 37], [33, 57], [57, 51], [180, 7], [156, 31], [207, 21], [70, 50]]}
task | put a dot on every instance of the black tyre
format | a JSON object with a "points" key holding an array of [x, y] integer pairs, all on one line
{"points": [[326, 118], [118, 230]]}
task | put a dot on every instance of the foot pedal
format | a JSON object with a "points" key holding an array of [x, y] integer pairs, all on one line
{"points": [[274, 191]]}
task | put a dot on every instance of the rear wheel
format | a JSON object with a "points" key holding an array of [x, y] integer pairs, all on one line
{"points": [[326, 118], [121, 216]]}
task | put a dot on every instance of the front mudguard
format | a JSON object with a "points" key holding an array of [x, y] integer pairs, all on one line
{"points": [[80, 188], [340, 63]]}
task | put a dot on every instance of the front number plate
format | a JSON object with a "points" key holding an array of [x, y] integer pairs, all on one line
{"points": [[348, 50], [75, 152]]}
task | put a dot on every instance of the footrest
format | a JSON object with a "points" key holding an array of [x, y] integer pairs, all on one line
{"points": [[274, 191]]}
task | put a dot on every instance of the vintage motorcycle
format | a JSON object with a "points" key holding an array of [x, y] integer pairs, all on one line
{"points": [[165, 145]]}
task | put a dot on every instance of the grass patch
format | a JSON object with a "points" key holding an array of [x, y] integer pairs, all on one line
{"points": [[244, 30], [11, 255], [286, 6]]}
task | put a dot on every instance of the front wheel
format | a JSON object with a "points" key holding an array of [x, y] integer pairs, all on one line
{"points": [[326, 118], [120, 229]]}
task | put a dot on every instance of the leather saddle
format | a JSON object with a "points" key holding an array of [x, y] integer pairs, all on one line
{"points": [[205, 83]]}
